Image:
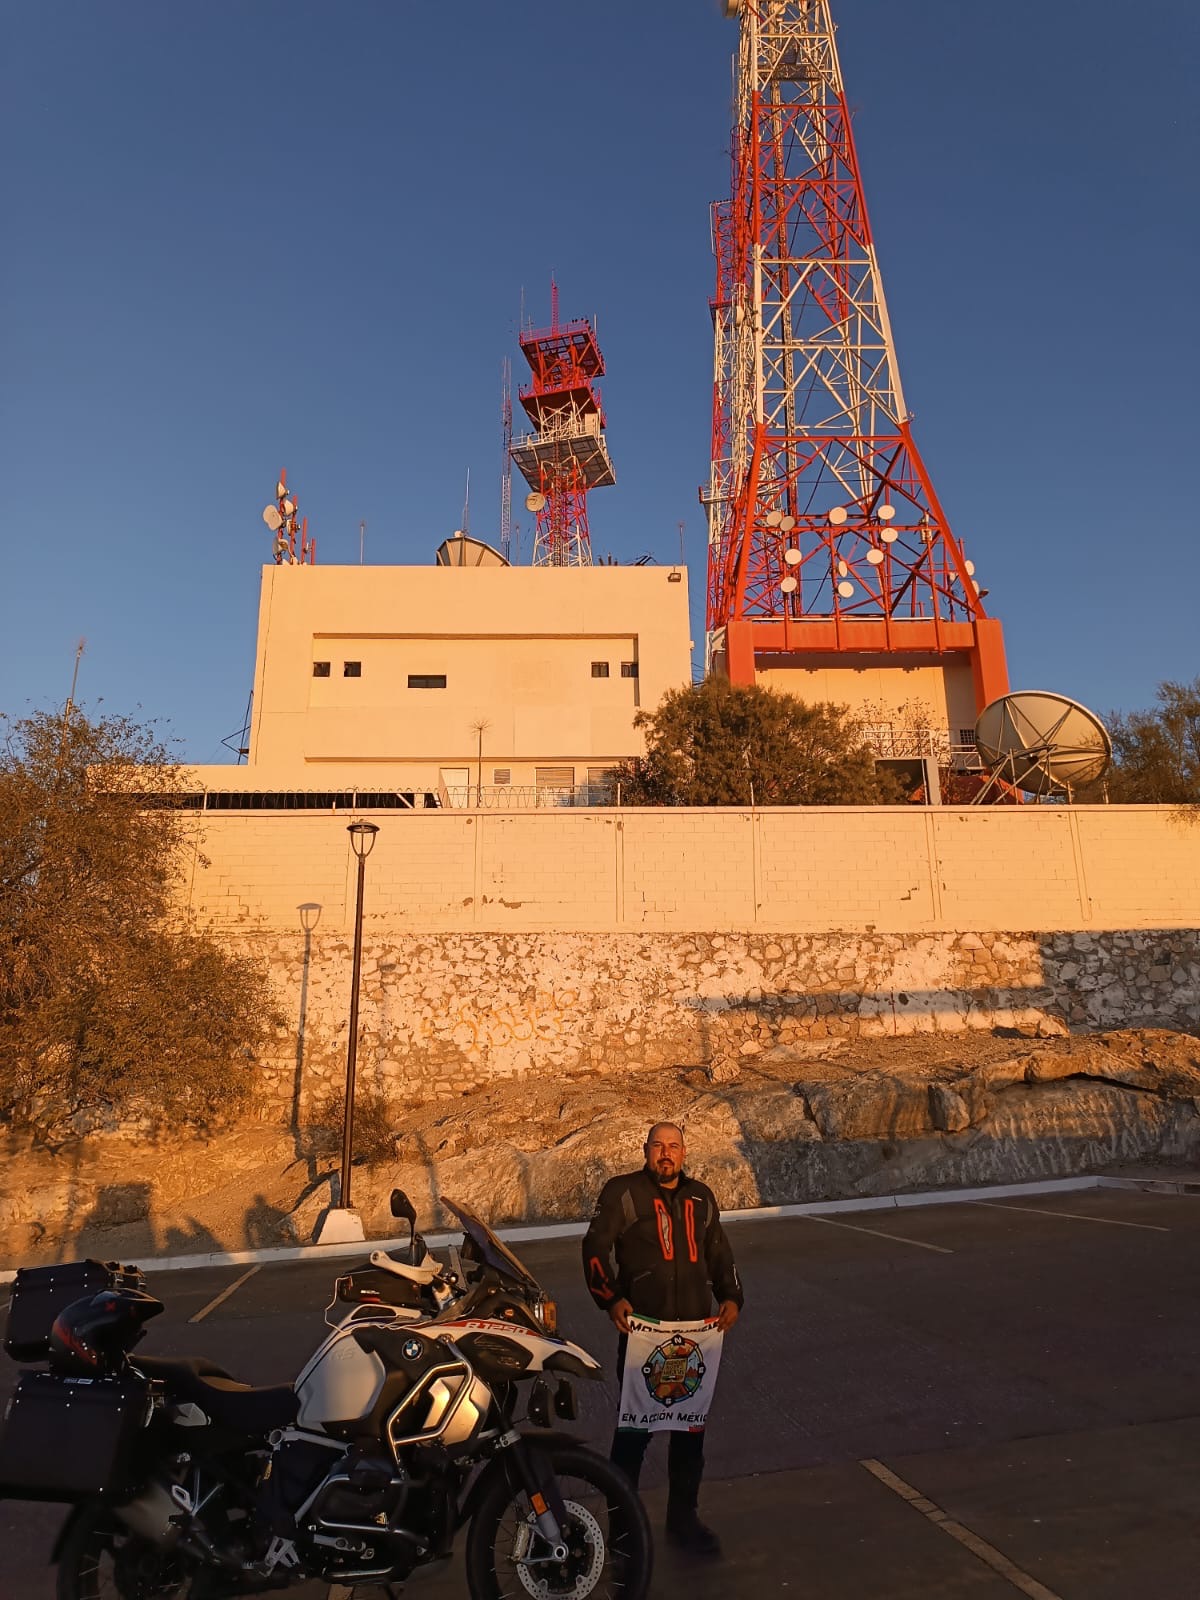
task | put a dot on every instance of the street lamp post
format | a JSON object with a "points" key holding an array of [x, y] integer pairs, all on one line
{"points": [[340, 1224]]}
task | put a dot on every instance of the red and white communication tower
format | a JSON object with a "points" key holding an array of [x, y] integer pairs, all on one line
{"points": [[567, 454], [292, 545], [826, 537]]}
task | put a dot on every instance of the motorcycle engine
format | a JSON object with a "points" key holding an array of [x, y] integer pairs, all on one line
{"points": [[363, 1492]]}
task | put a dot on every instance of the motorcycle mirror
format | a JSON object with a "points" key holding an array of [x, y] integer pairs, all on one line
{"points": [[403, 1207]]}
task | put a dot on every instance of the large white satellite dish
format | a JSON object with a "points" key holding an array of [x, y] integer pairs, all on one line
{"points": [[1042, 743]]}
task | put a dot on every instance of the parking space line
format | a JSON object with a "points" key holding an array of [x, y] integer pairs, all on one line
{"points": [[224, 1295], [987, 1553], [1075, 1216], [897, 1238]]}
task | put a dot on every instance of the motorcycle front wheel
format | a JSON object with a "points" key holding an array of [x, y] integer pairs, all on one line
{"points": [[99, 1559], [610, 1554]]}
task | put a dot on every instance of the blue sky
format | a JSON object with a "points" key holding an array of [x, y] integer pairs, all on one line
{"points": [[246, 234]]}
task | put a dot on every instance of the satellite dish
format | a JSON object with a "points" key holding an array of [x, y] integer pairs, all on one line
{"points": [[845, 590], [280, 489], [1042, 743], [535, 501], [970, 566], [272, 519], [773, 518], [886, 513], [837, 515], [889, 535], [288, 507], [787, 524], [790, 585], [875, 557], [843, 570], [792, 557]]}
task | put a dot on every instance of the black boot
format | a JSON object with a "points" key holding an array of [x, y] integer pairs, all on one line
{"points": [[686, 1532]]}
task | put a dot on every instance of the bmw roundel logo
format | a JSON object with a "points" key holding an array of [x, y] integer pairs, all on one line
{"points": [[412, 1349]]}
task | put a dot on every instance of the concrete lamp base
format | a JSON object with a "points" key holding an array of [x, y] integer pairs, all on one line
{"points": [[340, 1225]]}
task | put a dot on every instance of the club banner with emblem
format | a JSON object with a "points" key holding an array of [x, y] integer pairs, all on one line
{"points": [[670, 1374]]}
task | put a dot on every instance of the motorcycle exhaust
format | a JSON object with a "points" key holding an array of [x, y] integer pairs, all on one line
{"points": [[153, 1516]]}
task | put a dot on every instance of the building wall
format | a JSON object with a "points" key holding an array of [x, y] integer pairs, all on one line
{"points": [[890, 869], [883, 685], [515, 645], [581, 941]]}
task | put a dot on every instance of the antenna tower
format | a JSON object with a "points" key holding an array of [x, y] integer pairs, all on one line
{"points": [[566, 455], [826, 536], [292, 545], [506, 459]]}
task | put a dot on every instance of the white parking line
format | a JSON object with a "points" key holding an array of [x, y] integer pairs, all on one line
{"points": [[897, 1238], [1075, 1216], [987, 1553], [224, 1295]]}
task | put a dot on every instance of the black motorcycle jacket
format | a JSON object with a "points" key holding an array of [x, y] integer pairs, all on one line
{"points": [[663, 1250]]}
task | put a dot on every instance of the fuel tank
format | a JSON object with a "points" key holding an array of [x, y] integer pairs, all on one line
{"points": [[342, 1381]]}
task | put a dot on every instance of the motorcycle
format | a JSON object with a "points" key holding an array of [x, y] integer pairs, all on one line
{"points": [[401, 1430]]}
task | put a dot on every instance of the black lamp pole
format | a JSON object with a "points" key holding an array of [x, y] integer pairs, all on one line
{"points": [[362, 837]]}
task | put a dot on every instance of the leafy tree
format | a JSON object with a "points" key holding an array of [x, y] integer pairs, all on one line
{"points": [[717, 744], [1156, 753], [109, 1001]]}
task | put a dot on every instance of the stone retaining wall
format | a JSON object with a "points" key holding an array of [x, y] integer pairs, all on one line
{"points": [[442, 1014]]}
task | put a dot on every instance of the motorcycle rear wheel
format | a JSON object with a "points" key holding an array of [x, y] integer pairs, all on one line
{"points": [[610, 1550], [101, 1560]]}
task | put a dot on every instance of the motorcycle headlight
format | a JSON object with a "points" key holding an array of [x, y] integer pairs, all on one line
{"points": [[545, 1314]]}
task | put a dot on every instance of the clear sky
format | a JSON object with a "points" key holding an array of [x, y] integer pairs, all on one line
{"points": [[241, 235]]}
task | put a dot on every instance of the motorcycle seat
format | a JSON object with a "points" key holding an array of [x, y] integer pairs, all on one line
{"points": [[220, 1396]]}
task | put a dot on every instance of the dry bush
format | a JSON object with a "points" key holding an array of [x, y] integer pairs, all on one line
{"points": [[375, 1119]]}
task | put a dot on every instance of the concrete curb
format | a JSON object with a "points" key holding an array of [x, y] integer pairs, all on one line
{"points": [[536, 1232]]}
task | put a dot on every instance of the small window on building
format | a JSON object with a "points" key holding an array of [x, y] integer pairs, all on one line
{"points": [[629, 669], [554, 777], [599, 669], [351, 669], [320, 669], [966, 736], [427, 680], [501, 776]]}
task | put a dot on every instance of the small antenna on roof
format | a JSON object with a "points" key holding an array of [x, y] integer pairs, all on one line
{"points": [[466, 516]]}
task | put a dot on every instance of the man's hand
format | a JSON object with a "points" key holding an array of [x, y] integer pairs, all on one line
{"points": [[727, 1315], [619, 1312]]}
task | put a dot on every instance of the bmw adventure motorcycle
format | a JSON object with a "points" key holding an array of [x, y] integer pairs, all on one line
{"points": [[427, 1409]]}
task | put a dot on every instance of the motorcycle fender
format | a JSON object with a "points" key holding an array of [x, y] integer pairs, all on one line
{"points": [[69, 1522], [535, 1439]]}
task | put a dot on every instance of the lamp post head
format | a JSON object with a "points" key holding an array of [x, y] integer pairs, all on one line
{"points": [[362, 837]]}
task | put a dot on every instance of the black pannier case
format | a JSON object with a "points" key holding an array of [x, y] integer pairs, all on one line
{"points": [[72, 1438], [40, 1293]]}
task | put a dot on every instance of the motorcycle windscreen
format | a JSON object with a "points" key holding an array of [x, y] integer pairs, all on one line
{"points": [[492, 1252]]}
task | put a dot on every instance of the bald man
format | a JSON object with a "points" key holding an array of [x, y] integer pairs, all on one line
{"points": [[656, 1248]]}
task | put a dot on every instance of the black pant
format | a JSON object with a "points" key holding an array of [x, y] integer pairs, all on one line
{"points": [[685, 1456]]}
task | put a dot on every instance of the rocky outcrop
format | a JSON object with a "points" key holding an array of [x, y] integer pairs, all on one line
{"points": [[783, 1127]]}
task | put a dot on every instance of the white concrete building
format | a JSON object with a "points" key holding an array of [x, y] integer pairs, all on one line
{"points": [[442, 681]]}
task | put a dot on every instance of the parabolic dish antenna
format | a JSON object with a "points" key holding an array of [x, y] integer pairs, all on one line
{"points": [[535, 501], [1042, 743]]}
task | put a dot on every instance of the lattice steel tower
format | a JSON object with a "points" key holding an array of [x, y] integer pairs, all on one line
{"points": [[567, 454], [826, 537]]}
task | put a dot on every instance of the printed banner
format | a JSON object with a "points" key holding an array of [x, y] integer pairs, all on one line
{"points": [[670, 1374]]}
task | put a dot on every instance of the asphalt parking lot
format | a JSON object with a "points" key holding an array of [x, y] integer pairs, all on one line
{"points": [[970, 1400]]}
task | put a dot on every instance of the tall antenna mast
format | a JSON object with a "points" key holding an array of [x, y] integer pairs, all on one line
{"points": [[568, 454], [825, 534], [292, 545], [506, 459]]}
